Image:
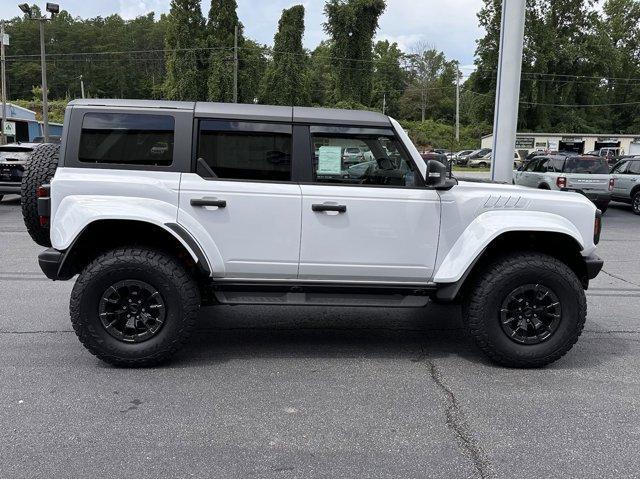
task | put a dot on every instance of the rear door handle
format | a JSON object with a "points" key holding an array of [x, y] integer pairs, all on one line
{"points": [[208, 202], [325, 207]]}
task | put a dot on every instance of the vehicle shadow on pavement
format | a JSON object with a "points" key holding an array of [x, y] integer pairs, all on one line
{"points": [[242, 332], [227, 333]]}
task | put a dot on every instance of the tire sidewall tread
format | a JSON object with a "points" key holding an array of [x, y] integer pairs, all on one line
{"points": [[482, 306], [180, 294]]}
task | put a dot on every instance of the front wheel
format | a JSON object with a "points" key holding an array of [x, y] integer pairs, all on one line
{"points": [[134, 307], [526, 310]]}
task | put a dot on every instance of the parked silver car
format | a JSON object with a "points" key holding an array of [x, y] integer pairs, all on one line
{"points": [[626, 182], [588, 175]]}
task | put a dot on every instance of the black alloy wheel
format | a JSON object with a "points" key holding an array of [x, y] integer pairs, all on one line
{"points": [[132, 311], [530, 314]]}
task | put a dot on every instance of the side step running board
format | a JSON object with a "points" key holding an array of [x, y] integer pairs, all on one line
{"points": [[317, 294]]}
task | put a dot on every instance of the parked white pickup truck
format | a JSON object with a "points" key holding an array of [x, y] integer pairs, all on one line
{"points": [[249, 204], [588, 175]]}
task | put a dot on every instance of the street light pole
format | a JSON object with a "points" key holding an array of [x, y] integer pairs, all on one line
{"points": [[457, 103], [3, 138], [505, 120], [53, 9], [45, 97]]}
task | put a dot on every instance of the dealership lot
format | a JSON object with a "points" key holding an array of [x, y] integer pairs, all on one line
{"points": [[318, 392]]}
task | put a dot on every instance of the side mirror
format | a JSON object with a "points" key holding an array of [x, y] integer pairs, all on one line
{"points": [[436, 174]]}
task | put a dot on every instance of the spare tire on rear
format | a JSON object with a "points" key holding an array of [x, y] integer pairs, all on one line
{"points": [[39, 170]]}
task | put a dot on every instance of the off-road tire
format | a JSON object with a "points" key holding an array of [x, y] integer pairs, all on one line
{"points": [[482, 306], [39, 170], [177, 287], [635, 202]]}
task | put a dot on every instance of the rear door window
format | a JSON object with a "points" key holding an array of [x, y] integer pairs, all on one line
{"points": [[245, 151], [127, 138]]}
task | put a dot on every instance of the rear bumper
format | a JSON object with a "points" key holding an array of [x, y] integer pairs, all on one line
{"points": [[50, 261], [9, 188], [596, 197], [594, 265]]}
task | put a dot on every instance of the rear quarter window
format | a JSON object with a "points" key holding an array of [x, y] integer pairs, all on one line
{"points": [[127, 139]]}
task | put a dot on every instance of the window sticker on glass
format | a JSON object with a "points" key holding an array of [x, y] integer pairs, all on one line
{"points": [[329, 160]]}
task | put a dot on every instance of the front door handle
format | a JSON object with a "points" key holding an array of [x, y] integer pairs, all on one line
{"points": [[325, 207], [208, 202]]}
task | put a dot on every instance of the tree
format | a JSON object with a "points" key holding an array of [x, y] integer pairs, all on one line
{"points": [[286, 79], [183, 43], [223, 20], [431, 89], [352, 25], [322, 77], [389, 78]]}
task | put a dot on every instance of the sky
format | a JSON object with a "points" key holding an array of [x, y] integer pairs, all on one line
{"points": [[448, 25]]}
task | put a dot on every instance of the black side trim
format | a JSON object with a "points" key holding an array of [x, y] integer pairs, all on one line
{"points": [[319, 287], [50, 261], [202, 259], [594, 265]]}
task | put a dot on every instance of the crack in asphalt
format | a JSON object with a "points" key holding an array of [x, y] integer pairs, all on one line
{"points": [[620, 278], [455, 420]]}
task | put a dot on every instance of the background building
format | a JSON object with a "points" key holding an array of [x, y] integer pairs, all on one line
{"points": [[22, 125], [580, 143]]}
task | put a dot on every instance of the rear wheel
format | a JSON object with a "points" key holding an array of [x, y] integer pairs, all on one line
{"points": [[134, 307], [39, 170], [526, 310], [635, 202]]}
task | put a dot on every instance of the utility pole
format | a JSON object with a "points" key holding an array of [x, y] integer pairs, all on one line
{"points": [[384, 103], [3, 138], [235, 66], [53, 9], [505, 120], [81, 86], [457, 102], [45, 93]]}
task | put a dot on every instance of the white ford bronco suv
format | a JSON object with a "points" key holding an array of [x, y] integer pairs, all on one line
{"points": [[162, 207]]}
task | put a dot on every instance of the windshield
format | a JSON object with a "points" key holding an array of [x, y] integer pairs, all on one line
{"points": [[586, 165]]}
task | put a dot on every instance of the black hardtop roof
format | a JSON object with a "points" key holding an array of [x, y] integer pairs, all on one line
{"points": [[252, 112]]}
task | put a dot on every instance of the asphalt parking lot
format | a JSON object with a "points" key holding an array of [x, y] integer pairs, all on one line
{"points": [[318, 392]]}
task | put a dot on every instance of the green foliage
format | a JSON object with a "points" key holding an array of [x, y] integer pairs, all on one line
{"points": [[223, 19], [389, 78], [351, 25], [105, 74], [56, 108], [574, 54], [431, 89], [322, 76], [183, 41], [286, 81], [436, 134]]}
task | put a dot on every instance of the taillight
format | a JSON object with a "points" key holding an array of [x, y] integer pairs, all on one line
{"points": [[612, 182], [561, 182], [597, 227], [44, 204]]}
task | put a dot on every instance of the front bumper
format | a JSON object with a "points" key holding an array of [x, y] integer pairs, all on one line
{"points": [[594, 264]]}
